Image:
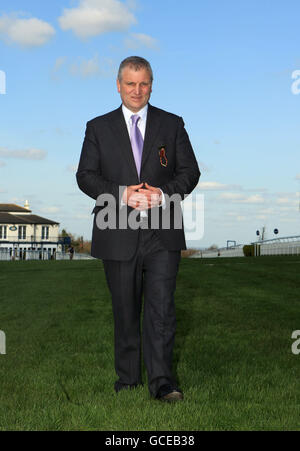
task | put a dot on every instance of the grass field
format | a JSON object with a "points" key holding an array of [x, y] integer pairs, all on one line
{"points": [[233, 357]]}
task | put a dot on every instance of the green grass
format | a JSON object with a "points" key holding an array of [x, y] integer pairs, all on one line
{"points": [[232, 356]]}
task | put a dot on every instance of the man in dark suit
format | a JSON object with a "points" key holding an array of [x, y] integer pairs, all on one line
{"points": [[138, 163]]}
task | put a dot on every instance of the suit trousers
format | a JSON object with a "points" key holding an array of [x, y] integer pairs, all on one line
{"points": [[151, 272]]}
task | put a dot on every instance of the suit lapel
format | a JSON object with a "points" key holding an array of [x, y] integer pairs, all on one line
{"points": [[152, 128], [120, 131]]}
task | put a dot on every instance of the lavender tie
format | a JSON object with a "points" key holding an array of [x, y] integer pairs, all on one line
{"points": [[137, 142]]}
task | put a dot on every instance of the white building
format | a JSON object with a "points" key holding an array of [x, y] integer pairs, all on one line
{"points": [[21, 232]]}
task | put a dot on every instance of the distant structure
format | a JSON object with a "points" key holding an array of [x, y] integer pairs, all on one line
{"points": [[21, 232]]}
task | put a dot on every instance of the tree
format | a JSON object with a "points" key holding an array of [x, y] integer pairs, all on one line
{"points": [[213, 247], [80, 245]]}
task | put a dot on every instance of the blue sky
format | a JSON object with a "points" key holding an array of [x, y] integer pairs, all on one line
{"points": [[225, 67]]}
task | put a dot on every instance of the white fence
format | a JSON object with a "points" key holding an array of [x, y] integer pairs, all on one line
{"points": [[236, 251], [278, 246], [6, 255], [288, 248]]}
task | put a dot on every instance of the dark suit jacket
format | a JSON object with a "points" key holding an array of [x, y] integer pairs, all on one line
{"points": [[107, 163]]}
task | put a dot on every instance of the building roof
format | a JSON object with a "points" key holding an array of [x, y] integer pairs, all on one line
{"points": [[13, 208], [7, 215], [8, 218]]}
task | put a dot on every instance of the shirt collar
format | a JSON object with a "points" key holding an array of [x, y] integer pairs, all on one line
{"points": [[142, 113]]}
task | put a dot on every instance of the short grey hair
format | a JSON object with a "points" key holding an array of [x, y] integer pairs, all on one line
{"points": [[137, 62]]}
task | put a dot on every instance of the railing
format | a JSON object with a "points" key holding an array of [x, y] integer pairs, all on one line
{"points": [[282, 239], [292, 248], [235, 251], [7, 255], [34, 239], [276, 246]]}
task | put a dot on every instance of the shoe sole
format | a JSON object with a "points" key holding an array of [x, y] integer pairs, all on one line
{"points": [[172, 397]]}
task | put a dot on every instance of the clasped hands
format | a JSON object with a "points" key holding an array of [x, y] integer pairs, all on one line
{"points": [[142, 197]]}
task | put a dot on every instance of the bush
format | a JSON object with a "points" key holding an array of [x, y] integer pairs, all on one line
{"points": [[188, 252], [248, 250]]}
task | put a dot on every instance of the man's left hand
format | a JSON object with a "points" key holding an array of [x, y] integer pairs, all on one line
{"points": [[153, 195]]}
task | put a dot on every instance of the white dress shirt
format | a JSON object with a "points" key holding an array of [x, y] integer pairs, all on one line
{"points": [[141, 123], [142, 127]]}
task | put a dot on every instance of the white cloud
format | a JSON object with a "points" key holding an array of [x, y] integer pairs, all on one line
{"points": [[240, 198], [137, 40], [93, 67], [81, 216], [16, 200], [72, 168], [59, 62], [288, 200], [261, 217], [267, 211], [283, 200], [203, 167], [255, 199], [50, 210], [84, 68], [2, 164], [28, 154], [27, 32], [94, 17], [231, 196], [216, 186]]}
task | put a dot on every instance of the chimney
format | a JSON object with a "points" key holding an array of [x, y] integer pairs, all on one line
{"points": [[26, 205]]}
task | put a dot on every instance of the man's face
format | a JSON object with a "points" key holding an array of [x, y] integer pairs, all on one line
{"points": [[135, 88]]}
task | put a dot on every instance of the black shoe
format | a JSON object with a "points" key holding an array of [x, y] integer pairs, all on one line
{"points": [[169, 393]]}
